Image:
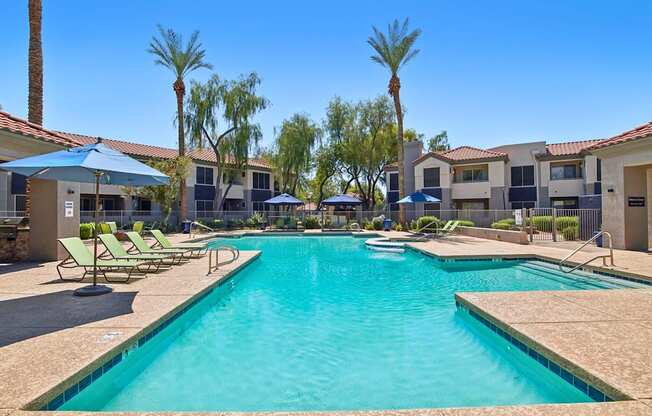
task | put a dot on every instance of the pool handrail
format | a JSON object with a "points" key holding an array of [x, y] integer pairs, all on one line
{"points": [[604, 257]]}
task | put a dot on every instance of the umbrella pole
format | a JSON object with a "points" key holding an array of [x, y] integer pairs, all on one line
{"points": [[94, 289]]}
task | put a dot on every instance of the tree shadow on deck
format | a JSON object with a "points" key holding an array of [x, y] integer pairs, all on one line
{"points": [[32, 316]]}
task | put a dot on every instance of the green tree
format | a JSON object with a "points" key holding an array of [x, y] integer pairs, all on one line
{"points": [[393, 50], [293, 151], [166, 195], [220, 115], [181, 59], [439, 142]]}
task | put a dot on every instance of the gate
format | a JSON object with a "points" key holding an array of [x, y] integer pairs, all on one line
{"points": [[553, 224]]}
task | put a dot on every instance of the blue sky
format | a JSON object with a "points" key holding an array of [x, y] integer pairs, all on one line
{"points": [[489, 72]]}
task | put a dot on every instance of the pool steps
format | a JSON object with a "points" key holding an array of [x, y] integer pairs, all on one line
{"points": [[384, 244]]}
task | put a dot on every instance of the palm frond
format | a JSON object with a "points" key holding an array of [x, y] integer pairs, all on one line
{"points": [[394, 48], [170, 51]]}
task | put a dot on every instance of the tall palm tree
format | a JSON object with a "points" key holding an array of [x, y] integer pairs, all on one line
{"points": [[35, 63], [181, 59], [393, 50]]}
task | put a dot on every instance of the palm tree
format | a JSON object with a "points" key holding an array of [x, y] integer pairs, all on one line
{"points": [[393, 50], [35, 63], [181, 60]]}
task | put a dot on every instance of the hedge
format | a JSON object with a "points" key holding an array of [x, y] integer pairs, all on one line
{"points": [[86, 230], [571, 233], [425, 221], [561, 223], [466, 223], [311, 222], [543, 223], [501, 226]]}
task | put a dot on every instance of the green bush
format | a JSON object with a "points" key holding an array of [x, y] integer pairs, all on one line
{"points": [[428, 219], [217, 224], [292, 223], [508, 221], [501, 226], [543, 223], [377, 222], [571, 233], [368, 226], [561, 223], [86, 230], [396, 226], [255, 221], [311, 223], [466, 223]]}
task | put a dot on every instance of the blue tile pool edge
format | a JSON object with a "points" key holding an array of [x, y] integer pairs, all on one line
{"points": [[525, 345], [70, 390]]}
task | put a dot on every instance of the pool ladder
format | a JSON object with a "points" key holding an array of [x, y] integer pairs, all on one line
{"points": [[235, 253], [604, 257], [197, 224]]}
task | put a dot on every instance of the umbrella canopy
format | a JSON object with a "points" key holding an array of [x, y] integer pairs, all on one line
{"points": [[94, 163], [284, 199], [416, 197], [80, 164], [341, 199]]}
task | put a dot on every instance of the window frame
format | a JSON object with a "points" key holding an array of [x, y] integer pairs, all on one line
{"points": [[205, 180], [204, 201], [16, 196], [472, 171], [522, 183], [390, 177], [577, 165], [436, 177], [256, 179]]}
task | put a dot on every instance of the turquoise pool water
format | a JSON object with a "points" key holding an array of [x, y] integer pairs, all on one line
{"points": [[321, 323]]}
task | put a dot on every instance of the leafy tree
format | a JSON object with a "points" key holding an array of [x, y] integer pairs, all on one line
{"points": [[393, 50], [220, 114], [166, 195], [181, 59], [292, 153], [439, 143]]}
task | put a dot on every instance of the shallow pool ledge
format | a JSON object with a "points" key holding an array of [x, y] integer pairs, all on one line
{"points": [[595, 339]]}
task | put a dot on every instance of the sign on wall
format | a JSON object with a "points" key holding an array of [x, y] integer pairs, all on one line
{"points": [[68, 209], [636, 201]]}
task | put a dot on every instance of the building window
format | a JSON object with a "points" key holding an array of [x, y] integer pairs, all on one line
{"points": [[566, 170], [431, 209], [393, 181], [87, 204], [523, 204], [599, 170], [260, 180], [522, 175], [431, 178], [565, 203], [204, 205], [259, 206], [471, 174], [108, 204], [20, 202], [143, 204], [204, 175]]}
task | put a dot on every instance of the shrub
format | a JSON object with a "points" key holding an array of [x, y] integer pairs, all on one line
{"points": [[255, 221], [368, 226], [543, 223], [571, 233], [292, 223], [561, 223], [397, 227], [426, 220], [216, 224], [508, 221], [466, 223], [279, 223], [86, 230], [311, 222], [378, 222], [501, 226]]}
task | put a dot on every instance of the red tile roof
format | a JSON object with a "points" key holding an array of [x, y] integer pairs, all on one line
{"points": [[208, 155], [130, 148], [17, 125], [569, 148], [636, 133], [464, 154]]}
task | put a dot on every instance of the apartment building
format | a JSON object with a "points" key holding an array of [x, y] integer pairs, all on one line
{"points": [[525, 175], [19, 138]]}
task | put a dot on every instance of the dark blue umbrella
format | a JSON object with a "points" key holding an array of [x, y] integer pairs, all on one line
{"points": [[284, 199], [341, 199], [94, 163], [418, 196]]}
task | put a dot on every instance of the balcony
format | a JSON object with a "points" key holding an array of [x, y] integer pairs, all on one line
{"points": [[565, 187], [235, 192], [471, 190]]}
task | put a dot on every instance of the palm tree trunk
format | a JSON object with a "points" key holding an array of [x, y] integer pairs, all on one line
{"points": [[394, 91], [35, 93], [180, 90]]}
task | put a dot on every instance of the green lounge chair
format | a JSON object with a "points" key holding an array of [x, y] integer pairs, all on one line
{"points": [[80, 256], [139, 245], [163, 242], [448, 230], [138, 227], [115, 249]]}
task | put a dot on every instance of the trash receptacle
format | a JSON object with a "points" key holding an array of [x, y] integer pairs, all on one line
{"points": [[186, 226], [598, 241], [387, 224]]}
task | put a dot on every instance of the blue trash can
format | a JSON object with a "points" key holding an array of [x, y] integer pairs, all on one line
{"points": [[186, 226], [387, 224], [598, 241]]}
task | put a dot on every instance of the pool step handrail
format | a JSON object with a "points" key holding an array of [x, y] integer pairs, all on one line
{"points": [[231, 249], [200, 225], [604, 257]]}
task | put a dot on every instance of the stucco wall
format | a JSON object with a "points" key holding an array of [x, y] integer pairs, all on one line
{"points": [[445, 178]]}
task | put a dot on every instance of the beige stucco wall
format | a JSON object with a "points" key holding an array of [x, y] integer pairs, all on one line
{"points": [[445, 178], [471, 190], [636, 217], [565, 187]]}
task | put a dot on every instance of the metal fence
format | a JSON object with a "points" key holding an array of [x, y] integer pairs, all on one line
{"points": [[552, 224]]}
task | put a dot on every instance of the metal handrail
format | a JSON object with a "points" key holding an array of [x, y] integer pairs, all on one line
{"points": [[235, 252], [602, 256], [199, 225]]}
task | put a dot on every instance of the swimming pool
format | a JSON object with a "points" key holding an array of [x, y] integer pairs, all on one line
{"points": [[321, 323]]}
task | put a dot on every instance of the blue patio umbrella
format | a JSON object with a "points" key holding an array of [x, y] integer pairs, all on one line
{"points": [[416, 197], [341, 199], [284, 199], [93, 163]]}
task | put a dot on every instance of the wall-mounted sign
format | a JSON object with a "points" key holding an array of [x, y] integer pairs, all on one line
{"points": [[518, 217], [636, 201], [68, 209]]}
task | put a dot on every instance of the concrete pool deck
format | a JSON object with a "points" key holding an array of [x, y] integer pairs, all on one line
{"points": [[47, 336]]}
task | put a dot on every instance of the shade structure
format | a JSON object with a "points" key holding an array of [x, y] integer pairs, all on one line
{"points": [[94, 163], [341, 199], [284, 199], [418, 196]]}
